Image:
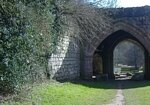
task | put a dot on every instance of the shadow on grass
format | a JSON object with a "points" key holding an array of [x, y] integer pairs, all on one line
{"points": [[129, 84], [112, 84]]}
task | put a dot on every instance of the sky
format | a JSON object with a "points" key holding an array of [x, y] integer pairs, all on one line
{"points": [[133, 3]]}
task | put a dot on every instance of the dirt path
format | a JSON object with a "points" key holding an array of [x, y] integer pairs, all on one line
{"points": [[119, 98]]}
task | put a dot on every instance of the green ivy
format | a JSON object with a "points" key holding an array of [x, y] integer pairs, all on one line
{"points": [[29, 34]]}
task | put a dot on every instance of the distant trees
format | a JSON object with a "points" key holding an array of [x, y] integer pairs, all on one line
{"points": [[129, 53]]}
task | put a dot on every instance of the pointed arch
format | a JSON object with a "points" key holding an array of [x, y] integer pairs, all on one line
{"points": [[120, 25], [132, 32]]}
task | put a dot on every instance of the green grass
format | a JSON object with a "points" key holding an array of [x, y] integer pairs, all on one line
{"points": [[77, 93], [128, 70], [137, 93]]}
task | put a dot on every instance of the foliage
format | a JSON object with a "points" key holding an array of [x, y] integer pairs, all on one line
{"points": [[29, 32], [80, 93], [129, 53]]}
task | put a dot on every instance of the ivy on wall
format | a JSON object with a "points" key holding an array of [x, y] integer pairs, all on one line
{"points": [[30, 31], [28, 35]]}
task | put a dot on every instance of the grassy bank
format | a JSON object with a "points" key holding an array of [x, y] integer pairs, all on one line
{"points": [[137, 93], [68, 93]]}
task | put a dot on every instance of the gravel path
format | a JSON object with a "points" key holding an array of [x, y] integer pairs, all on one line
{"points": [[119, 98]]}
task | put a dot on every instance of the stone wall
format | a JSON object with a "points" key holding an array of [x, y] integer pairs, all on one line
{"points": [[136, 16], [64, 64], [134, 21]]}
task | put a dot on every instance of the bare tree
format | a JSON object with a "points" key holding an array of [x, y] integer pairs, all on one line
{"points": [[90, 17]]}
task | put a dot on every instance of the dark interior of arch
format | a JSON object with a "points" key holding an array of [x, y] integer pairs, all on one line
{"points": [[106, 48]]}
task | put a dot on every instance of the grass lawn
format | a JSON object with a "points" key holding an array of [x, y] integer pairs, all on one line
{"points": [[67, 93], [137, 93]]}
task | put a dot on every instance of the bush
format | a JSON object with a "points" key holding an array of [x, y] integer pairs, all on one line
{"points": [[29, 32]]}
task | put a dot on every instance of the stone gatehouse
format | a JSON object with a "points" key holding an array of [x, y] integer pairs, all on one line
{"points": [[130, 23]]}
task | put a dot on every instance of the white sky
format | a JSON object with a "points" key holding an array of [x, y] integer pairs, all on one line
{"points": [[133, 3]]}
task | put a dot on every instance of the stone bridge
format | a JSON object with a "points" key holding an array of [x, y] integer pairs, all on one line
{"points": [[128, 24]]}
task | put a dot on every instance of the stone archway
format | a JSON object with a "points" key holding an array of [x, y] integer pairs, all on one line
{"points": [[121, 31], [106, 48]]}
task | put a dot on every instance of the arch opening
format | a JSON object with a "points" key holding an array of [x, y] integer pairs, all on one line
{"points": [[103, 58], [128, 60]]}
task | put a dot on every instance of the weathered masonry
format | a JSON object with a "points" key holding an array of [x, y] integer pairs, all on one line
{"points": [[129, 23]]}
